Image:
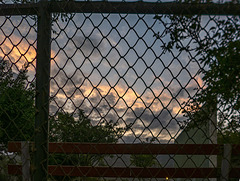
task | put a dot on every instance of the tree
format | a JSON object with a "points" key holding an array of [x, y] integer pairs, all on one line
{"points": [[145, 160], [17, 121], [65, 128], [16, 105], [218, 51], [16, 111]]}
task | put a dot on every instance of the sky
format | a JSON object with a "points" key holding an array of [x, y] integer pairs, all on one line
{"points": [[112, 67]]}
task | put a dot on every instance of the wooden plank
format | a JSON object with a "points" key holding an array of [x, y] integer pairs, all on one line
{"points": [[234, 173], [14, 146], [133, 172], [235, 149], [102, 148], [98, 148], [15, 169], [130, 148], [130, 172]]}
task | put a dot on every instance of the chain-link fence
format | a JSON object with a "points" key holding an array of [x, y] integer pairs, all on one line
{"points": [[121, 90]]}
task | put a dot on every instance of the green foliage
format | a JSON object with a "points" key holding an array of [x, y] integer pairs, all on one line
{"points": [[16, 105], [143, 160], [17, 121], [3, 168], [217, 49], [65, 128], [230, 134], [4, 162]]}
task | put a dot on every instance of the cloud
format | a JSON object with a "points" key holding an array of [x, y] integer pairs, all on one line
{"points": [[19, 55], [13, 45], [98, 74], [124, 105], [155, 113], [92, 45]]}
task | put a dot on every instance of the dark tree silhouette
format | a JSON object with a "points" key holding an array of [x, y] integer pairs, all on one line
{"points": [[16, 105], [217, 50]]}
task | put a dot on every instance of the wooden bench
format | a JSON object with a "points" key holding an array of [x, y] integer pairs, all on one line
{"points": [[225, 172]]}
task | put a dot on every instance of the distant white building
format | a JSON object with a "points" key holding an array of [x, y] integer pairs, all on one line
{"points": [[204, 134]]}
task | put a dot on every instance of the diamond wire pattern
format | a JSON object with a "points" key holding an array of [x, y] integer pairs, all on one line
{"points": [[17, 77], [112, 67], [100, 62]]}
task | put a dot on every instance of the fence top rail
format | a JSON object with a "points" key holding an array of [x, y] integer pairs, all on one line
{"points": [[123, 8], [18, 9], [103, 148]]}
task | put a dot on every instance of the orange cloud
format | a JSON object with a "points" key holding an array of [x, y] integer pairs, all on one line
{"points": [[199, 80], [19, 52], [126, 98]]}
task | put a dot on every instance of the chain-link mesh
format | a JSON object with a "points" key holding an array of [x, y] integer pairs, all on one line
{"points": [[17, 77], [118, 75]]}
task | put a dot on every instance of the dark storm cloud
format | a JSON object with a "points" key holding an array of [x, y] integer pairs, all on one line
{"points": [[95, 100], [68, 83], [56, 104], [147, 115], [89, 44], [112, 115], [111, 98], [183, 92], [63, 76], [152, 120], [53, 108]]}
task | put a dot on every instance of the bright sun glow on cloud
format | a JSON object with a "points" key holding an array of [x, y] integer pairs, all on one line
{"points": [[18, 52]]}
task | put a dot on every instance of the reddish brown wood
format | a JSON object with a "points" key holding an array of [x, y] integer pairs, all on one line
{"points": [[74, 171], [101, 148], [15, 169], [235, 149], [98, 148], [234, 173], [133, 172], [14, 146]]}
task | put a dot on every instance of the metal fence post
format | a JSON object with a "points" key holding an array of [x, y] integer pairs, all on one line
{"points": [[40, 169]]}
